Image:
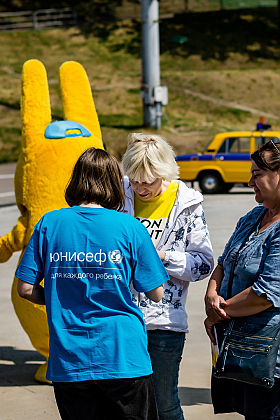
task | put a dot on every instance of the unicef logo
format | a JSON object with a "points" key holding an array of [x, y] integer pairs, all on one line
{"points": [[116, 256]]}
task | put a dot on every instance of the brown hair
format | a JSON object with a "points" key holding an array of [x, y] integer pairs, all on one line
{"points": [[96, 178], [267, 157]]}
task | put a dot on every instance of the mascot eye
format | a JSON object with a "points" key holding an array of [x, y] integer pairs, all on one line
{"points": [[64, 129]]}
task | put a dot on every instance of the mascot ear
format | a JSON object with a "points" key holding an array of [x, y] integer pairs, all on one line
{"points": [[77, 100], [35, 104]]}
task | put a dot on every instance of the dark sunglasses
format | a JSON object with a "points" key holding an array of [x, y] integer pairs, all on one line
{"points": [[273, 142]]}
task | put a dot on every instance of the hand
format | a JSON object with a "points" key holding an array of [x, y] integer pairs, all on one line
{"points": [[214, 306], [161, 254], [209, 329]]}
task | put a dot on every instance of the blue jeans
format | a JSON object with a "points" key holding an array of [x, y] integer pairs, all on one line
{"points": [[165, 349]]}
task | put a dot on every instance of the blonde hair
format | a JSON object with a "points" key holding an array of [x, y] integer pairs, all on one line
{"points": [[149, 156]]}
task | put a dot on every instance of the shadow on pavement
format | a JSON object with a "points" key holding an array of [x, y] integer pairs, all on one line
{"points": [[18, 367], [12, 203], [232, 193], [240, 192], [194, 396]]}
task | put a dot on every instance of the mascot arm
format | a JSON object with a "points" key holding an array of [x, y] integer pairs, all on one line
{"points": [[13, 241]]}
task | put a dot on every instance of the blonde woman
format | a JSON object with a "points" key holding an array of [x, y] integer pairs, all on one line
{"points": [[174, 218]]}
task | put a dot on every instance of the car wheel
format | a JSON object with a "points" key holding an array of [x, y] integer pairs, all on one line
{"points": [[211, 183]]}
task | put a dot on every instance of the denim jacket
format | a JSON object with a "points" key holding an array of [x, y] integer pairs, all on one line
{"points": [[258, 265]]}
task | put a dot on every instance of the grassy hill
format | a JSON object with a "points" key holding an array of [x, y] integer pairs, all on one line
{"points": [[223, 78]]}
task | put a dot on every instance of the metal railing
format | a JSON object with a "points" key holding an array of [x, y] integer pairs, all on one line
{"points": [[40, 19], [171, 7], [47, 18]]}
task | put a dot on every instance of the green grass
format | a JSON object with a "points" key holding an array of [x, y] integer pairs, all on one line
{"points": [[10, 139], [233, 55]]}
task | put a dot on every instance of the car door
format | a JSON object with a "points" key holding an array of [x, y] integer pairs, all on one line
{"points": [[233, 158]]}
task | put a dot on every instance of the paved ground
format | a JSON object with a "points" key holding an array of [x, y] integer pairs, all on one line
{"points": [[22, 398], [7, 196]]}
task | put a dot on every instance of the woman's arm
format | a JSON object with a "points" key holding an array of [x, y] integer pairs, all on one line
{"points": [[246, 303], [215, 304], [209, 330], [32, 292], [190, 256], [264, 293], [155, 294]]}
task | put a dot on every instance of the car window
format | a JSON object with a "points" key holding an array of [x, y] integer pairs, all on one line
{"points": [[224, 147], [259, 141], [235, 145]]}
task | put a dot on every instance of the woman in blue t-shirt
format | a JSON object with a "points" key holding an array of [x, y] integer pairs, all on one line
{"points": [[88, 255]]}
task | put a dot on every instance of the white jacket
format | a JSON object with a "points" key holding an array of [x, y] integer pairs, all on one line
{"points": [[189, 257]]}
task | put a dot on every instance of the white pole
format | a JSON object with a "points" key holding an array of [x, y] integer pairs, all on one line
{"points": [[150, 63]]}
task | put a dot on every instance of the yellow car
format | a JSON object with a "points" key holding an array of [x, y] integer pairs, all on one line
{"points": [[224, 161]]}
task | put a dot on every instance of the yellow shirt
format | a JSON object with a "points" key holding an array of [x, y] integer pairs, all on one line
{"points": [[154, 213]]}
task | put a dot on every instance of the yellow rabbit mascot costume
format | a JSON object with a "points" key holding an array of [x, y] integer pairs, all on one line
{"points": [[43, 170]]}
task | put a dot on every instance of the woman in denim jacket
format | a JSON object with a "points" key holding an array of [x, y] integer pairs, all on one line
{"points": [[174, 217], [255, 288]]}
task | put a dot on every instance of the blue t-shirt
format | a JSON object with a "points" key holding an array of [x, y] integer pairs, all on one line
{"points": [[88, 257]]}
